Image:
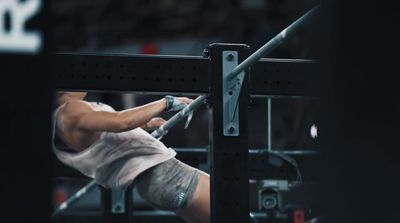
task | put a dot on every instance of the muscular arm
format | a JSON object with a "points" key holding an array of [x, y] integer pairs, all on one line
{"points": [[84, 117]]}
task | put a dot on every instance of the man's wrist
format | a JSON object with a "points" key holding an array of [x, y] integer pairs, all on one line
{"points": [[169, 102]]}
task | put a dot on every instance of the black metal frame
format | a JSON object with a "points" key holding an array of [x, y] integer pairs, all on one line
{"points": [[196, 75], [106, 207], [176, 74], [228, 179]]}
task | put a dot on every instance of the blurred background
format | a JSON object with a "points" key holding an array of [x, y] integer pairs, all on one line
{"points": [[186, 27], [183, 27]]}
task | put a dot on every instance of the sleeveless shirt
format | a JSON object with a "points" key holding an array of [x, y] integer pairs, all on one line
{"points": [[115, 159]]}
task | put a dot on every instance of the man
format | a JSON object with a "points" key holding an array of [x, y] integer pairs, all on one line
{"points": [[113, 148]]}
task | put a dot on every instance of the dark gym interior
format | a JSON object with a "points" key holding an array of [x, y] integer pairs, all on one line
{"points": [[316, 139]]}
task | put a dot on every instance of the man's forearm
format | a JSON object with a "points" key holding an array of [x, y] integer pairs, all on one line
{"points": [[138, 116]]}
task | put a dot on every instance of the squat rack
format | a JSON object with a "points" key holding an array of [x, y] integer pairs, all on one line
{"points": [[224, 75]]}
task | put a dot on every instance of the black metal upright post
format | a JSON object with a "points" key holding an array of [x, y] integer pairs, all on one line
{"points": [[105, 200], [128, 199], [228, 153], [109, 216]]}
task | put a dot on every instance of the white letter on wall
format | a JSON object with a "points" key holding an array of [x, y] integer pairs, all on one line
{"points": [[16, 39]]}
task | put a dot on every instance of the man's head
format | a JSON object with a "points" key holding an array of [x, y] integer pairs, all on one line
{"points": [[65, 96]]}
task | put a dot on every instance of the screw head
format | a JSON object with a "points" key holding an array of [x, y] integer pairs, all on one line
{"points": [[230, 57]]}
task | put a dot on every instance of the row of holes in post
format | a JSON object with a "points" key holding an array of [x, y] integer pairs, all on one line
{"points": [[227, 180], [170, 79], [132, 67], [132, 78], [268, 70]]}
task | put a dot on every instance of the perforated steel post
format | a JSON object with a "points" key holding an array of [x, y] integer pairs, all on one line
{"points": [[228, 153]]}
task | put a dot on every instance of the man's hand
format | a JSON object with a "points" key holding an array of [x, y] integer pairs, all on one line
{"points": [[153, 124], [177, 103], [184, 100]]}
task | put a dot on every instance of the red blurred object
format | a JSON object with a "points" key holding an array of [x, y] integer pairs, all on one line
{"points": [[298, 216], [149, 48], [59, 196]]}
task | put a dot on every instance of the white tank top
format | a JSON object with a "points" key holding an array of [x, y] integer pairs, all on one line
{"points": [[115, 159]]}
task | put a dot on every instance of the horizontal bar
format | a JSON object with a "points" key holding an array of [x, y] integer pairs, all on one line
{"points": [[191, 150], [147, 214], [285, 77], [254, 151], [163, 129], [273, 43], [140, 73], [162, 74]]}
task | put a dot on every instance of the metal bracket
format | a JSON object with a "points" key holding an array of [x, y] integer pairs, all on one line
{"points": [[231, 91], [118, 201]]}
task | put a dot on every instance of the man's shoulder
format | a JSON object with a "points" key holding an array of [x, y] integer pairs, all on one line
{"points": [[70, 112], [76, 107]]}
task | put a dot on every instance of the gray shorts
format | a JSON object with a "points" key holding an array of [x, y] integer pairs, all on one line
{"points": [[169, 185]]}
